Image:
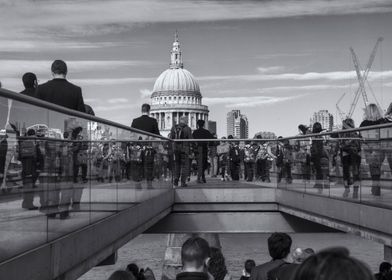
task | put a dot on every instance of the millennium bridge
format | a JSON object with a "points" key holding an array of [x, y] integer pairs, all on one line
{"points": [[59, 220]]}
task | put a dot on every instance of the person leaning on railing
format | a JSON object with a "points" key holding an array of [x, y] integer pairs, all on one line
{"points": [[374, 152], [320, 159]]}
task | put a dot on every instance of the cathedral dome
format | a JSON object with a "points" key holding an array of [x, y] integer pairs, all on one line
{"points": [[176, 80]]}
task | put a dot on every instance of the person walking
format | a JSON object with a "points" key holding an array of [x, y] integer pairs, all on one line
{"points": [[202, 150], [181, 150], [59, 91], [145, 122], [63, 93]]}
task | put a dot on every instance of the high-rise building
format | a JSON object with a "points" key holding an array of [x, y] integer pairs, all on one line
{"points": [[324, 118], [237, 124], [266, 135], [212, 126]]}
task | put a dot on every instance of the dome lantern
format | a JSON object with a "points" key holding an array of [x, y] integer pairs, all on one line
{"points": [[175, 54]]}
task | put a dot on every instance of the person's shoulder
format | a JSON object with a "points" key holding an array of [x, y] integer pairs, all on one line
{"points": [[78, 88]]}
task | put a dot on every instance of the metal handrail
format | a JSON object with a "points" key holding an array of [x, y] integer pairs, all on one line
{"points": [[47, 105]]}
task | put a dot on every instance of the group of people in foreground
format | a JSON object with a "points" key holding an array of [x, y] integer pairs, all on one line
{"points": [[202, 262]]}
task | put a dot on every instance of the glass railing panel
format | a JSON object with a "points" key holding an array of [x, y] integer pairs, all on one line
{"points": [[376, 166], [68, 184], [23, 225], [103, 195]]}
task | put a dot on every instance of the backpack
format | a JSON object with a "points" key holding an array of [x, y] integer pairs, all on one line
{"points": [[27, 149], [136, 154], [249, 155], [178, 132]]}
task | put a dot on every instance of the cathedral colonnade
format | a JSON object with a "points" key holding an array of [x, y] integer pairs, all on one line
{"points": [[166, 119]]}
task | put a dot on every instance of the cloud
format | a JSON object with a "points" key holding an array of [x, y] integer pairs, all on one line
{"points": [[41, 45], [114, 108], [97, 16], [145, 93], [272, 69], [247, 101], [10, 68], [117, 100], [113, 81], [310, 76]]}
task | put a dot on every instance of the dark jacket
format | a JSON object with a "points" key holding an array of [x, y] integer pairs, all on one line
{"points": [[32, 92], [260, 272], [192, 276], [283, 272], [202, 133], [146, 124], [63, 93]]}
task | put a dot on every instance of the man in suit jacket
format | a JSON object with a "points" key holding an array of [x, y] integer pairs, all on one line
{"points": [[30, 83], [145, 122], [59, 91]]}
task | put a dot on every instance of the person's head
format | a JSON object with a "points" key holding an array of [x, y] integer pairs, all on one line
{"points": [[200, 123], [146, 108], [385, 268], [249, 265], [348, 123], [59, 68], [299, 255], [317, 128], [302, 128], [30, 132], [184, 120], [30, 80], [230, 137], [258, 136], [194, 254], [279, 245], [216, 264], [134, 269], [121, 275], [372, 112], [332, 264]]}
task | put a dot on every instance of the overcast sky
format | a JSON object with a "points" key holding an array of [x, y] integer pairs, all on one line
{"points": [[277, 61]]}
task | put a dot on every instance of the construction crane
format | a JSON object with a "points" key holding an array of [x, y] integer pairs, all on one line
{"points": [[362, 78], [341, 114]]}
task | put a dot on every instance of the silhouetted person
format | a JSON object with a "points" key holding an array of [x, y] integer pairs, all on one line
{"points": [[287, 270], [181, 150], [332, 264], [279, 245], [385, 272], [195, 253], [248, 267], [30, 83], [122, 275], [145, 122], [89, 110], [59, 91], [202, 150]]}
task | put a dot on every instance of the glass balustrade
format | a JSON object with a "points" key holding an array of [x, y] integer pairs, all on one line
{"points": [[61, 171]]}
